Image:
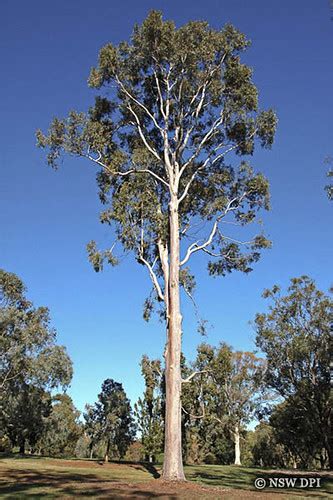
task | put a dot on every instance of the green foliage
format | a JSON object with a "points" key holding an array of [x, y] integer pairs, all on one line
{"points": [[24, 410], [226, 392], [295, 334], [92, 428], [299, 431], [28, 351], [109, 421], [135, 452], [61, 428], [31, 363], [232, 383], [82, 447], [148, 410], [266, 451], [97, 258]]}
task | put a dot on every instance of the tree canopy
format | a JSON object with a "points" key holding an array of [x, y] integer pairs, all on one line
{"points": [[172, 105], [29, 354]]}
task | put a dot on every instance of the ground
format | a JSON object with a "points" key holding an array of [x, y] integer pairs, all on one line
{"points": [[54, 478]]}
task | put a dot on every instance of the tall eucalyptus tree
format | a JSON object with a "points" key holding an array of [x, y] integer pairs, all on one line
{"points": [[173, 103]]}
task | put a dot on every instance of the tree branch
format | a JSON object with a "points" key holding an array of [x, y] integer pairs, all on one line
{"points": [[127, 172], [144, 140], [160, 96], [194, 416], [188, 379], [195, 247], [153, 278], [146, 110]]}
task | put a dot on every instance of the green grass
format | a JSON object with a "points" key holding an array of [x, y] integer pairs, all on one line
{"points": [[48, 478], [36, 477], [230, 476]]}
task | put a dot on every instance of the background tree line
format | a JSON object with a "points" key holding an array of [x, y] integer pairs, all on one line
{"points": [[287, 391]]}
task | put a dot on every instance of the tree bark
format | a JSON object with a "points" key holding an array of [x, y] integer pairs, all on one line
{"points": [[173, 462], [237, 445]]}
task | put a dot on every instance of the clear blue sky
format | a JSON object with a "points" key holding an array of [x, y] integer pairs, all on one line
{"points": [[47, 217]]}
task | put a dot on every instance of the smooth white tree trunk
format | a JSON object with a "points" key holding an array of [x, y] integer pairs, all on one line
{"points": [[173, 462], [237, 445]]}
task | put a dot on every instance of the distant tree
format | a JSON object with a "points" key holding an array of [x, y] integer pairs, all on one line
{"points": [[243, 393], [295, 431], [92, 427], [176, 103], [62, 428], [205, 439], [148, 410], [113, 420], [30, 362], [25, 408], [231, 390], [266, 450], [295, 334], [238, 380]]}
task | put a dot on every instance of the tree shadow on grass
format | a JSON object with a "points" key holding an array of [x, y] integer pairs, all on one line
{"points": [[244, 479], [231, 478], [28, 482], [149, 467], [140, 466]]}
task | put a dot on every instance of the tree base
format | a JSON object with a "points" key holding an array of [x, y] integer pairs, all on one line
{"points": [[173, 480]]}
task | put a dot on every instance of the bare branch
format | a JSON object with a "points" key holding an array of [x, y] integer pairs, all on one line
{"points": [[188, 379], [195, 247], [188, 185], [123, 88], [203, 141], [195, 416], [127, 172], [207, 160], [160, 96], [153, 278], [144, 140], [7, 377]]}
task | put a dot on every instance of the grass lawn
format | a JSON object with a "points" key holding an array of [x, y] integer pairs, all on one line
{"points": [[36, 477]]}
